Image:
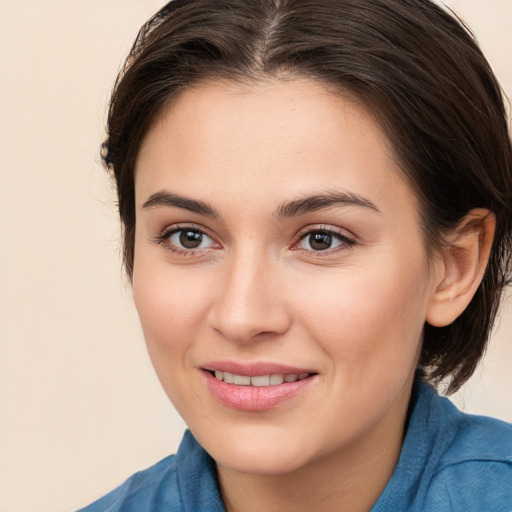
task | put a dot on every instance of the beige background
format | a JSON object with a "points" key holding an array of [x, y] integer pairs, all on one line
{"points": [[80, 408]]}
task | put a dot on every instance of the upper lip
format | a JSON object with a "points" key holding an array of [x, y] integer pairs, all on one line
{"points": [[254, 369]]}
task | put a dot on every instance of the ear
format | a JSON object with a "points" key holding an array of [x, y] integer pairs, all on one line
{"points": [[460, 266]]}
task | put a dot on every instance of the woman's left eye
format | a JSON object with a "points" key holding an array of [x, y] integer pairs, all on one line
{"points": [[323, 240]]}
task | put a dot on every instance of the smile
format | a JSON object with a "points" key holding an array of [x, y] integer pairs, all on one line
{"points": [[259, 380], [258, 387]]}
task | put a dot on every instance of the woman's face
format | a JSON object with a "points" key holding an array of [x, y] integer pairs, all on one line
{"points": [[275, 239]]}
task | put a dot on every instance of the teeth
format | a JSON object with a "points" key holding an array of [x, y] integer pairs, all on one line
{"points": [[263, 380], [242, 380], [276, 379], [259, 380]]}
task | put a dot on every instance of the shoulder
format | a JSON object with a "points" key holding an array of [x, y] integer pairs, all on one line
{"points": [[450, 461], [186, 481], [475, 472], [141, 490], [482, 438]]}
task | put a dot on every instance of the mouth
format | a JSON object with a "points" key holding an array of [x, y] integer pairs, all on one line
{"points": [[255, 388]]}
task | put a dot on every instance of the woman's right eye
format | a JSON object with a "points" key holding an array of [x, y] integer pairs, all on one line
{"points": [[186, 239]]}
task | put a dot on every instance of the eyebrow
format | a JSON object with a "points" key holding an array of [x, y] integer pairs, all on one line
{"points": [[287, 209], [319, 201], [193, 205]]}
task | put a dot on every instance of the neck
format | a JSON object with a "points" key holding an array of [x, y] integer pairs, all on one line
{"points": [[349, 480]]}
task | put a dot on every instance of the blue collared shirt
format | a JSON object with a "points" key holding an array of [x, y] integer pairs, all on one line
{"points": [[450, 461]]}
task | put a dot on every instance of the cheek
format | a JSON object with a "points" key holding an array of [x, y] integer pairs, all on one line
{"points": [[170, 303], [372, 319]]}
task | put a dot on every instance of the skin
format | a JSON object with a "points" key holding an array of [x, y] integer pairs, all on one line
{"points": [[256, 290]]}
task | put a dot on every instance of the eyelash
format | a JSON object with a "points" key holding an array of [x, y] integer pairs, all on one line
{"points": [[163, 239], [346, 241], [341, 236]]}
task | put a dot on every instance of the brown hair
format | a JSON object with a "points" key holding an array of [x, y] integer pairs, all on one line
{"points": [[418, 69]]}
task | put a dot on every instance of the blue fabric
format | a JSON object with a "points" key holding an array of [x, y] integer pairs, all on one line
{"points": [[185, 482], [450, 461]]}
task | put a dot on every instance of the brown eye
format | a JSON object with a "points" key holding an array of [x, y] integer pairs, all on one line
{"points": [[190, 239], [320, 241]]}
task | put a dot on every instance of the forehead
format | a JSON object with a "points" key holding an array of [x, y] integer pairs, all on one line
{"points": [[267, 140]]}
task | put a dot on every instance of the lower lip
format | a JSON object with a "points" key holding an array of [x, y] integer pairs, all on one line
{"points": [[254, 398]]}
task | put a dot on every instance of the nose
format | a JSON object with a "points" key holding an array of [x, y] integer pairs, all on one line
{"points": [[250, 304]]}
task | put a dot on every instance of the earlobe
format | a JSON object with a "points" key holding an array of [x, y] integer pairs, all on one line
{"points": [[461, 266]]}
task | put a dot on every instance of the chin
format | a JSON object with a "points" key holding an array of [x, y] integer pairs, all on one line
{"points": [[256, 463], [257, 450]]}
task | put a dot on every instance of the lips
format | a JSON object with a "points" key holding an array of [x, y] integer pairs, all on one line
{"points": [[257, 386]]}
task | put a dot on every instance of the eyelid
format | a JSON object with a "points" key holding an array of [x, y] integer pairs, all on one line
{"points": [[341, 234], [162, 238]]}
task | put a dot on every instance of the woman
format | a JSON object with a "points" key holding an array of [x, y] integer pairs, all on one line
{"points": [[316, 208]]}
